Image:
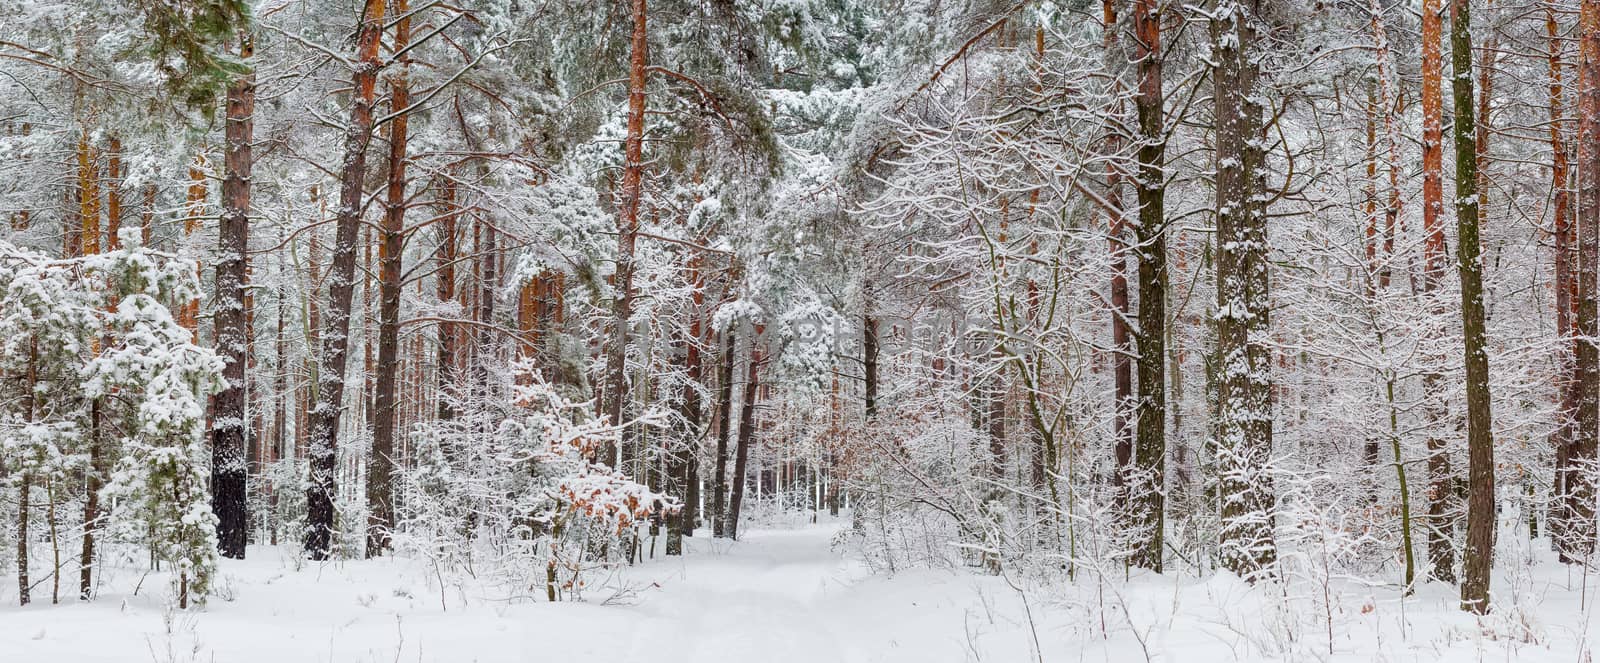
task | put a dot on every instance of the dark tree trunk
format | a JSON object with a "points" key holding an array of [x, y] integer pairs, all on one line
{"points": [[1147, 481], [334, 355], [682, 469], [229, 467], [25, 483], [1479, 552], [869, 359], [719, 490], [94, 477], [747, 429], [445, 290]]}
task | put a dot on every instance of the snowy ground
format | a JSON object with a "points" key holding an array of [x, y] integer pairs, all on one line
{"points": [[784, 596]]}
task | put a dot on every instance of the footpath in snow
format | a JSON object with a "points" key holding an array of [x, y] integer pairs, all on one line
{"points": [[776, 596]]}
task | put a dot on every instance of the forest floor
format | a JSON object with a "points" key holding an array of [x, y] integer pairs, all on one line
{"points": [[786, 595]]}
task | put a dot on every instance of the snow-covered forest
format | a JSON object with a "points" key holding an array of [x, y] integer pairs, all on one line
{"points": [[815, 330]]}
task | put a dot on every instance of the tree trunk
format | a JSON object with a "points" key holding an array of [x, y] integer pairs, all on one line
{"points": [[1244, 388], [94, 476], [1147, 482], [1122, 351], [1566, 294], [229, 497], [25, 485], [682, 471], [1441, 553], [1478, 554], [1579, 534], [747, 428], [115, 172], [719, 490], [334, 355], [445, 290], [380, 465], [627, 232]]}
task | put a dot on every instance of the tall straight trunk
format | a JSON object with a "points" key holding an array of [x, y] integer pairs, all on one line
{"points": [[747, 429], [719, 490], [1123, 402], [1147, 482], [1244, 387], [280, 399], [94, 480], [313, 329], [1478, 554], [24, 584], [229, 497], [1441, 552], [380, 465], [445, 290], [697, 327], [1566, 283], [334, 355], [1579, 539], [25, 483], [627, 231], [88, 238]]}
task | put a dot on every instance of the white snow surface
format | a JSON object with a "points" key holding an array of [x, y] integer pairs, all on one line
{"points": [[779, 596]]}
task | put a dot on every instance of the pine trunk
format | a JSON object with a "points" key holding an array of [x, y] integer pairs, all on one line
{"points": [[627, 233], [719, 490], [1147, 482], [229, 497]]}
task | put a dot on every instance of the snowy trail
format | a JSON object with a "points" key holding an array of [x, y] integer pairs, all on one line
{"points": [[776, 595]]}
